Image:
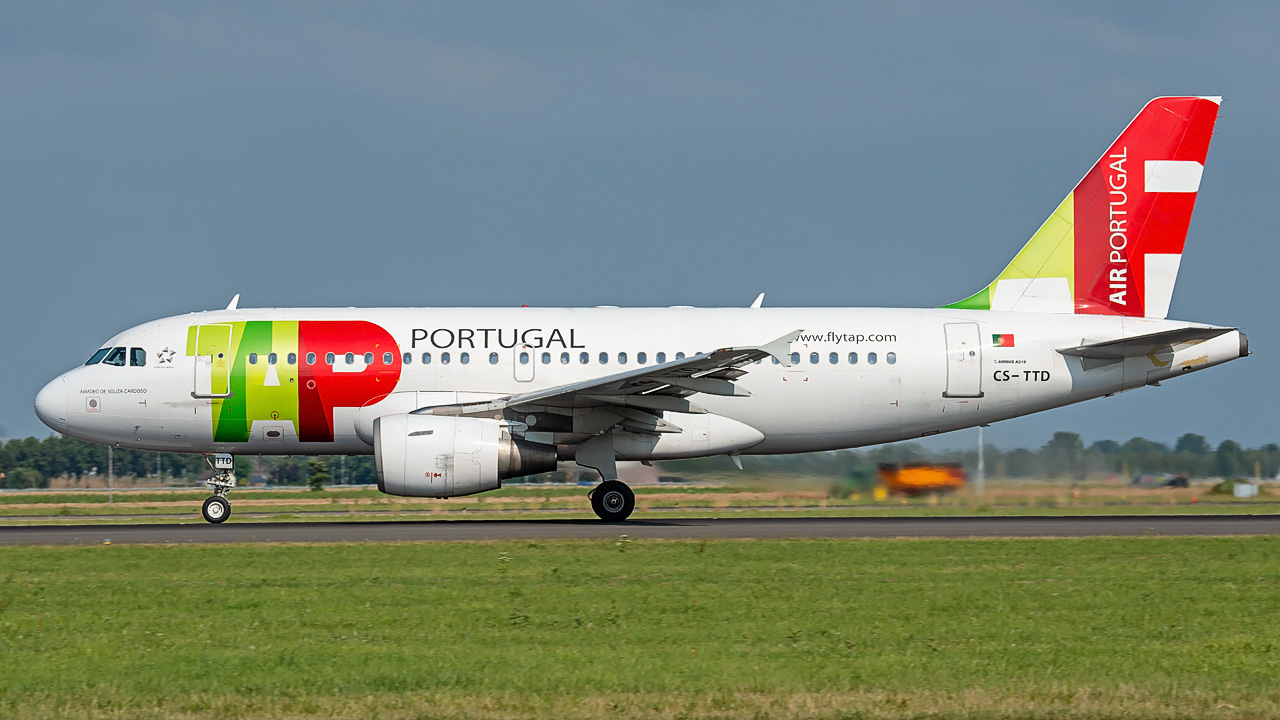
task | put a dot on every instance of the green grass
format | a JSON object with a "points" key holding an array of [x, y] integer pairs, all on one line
{"points": [[460, 508], [1143, 628], [569, 501]]}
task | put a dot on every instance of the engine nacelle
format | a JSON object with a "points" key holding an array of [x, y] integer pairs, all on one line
{"points": [[431, 456]]}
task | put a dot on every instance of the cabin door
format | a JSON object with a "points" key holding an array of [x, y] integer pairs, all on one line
{"points": [[964, 360], [213, 362]]}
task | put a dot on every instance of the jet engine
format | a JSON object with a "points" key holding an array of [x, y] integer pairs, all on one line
{"points": [[432, 456]]}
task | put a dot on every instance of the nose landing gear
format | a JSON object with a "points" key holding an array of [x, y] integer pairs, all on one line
{"points": [[217, 508]]}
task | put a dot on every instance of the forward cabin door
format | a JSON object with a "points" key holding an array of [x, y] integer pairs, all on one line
{"points": [[213, 361], [964, 360]]}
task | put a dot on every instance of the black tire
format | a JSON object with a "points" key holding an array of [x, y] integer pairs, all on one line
{"points": [[613, 501], [216, 510]]}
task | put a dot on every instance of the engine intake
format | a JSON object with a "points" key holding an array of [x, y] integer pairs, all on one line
{"points": [[433, 456]]}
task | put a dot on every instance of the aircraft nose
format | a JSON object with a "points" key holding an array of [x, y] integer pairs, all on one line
{"points": [[51, 404]]}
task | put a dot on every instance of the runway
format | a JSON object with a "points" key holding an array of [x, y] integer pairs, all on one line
{"points": [[683, 528]]}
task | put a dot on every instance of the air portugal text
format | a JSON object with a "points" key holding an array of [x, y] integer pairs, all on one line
{"points": [[485, 338], [1118, 212]]}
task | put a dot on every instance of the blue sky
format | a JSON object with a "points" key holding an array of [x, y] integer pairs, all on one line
{"points": [[158, 158]]}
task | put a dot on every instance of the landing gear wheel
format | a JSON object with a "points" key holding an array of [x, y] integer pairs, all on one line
{"points": [[613, 501], [216, 509]]}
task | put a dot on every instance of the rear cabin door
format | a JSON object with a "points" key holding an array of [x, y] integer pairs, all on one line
{"points": [[964, 360], [213, 361]]}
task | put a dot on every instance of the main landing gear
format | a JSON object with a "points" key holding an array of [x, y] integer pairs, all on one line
{"points": [[612, 501], [217, 508]]}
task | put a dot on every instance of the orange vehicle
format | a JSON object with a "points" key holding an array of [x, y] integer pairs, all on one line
{"points": [[920, 478]]}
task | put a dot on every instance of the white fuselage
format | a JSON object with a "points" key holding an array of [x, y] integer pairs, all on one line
{"points": [[863, 376]]}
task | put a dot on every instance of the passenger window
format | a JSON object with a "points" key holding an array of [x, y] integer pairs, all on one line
{"points": [[388, 358], [795, 358], [604, 358], [564, 358], [329, 358], [584, 358], [444, 358], [97, 357], [813, 358], [546, 358], [292, 358], [464, 358], [834, 358], [407, 358], [871, 358], [524, 358], [853, 358], [137, 357], [622, 358], [776, 361], [368, 358], [493, 358], [891, 358], [311, 358], [271, 359], [661, 357], [426, 358], [253, 358], [679, 356], [641, 358], [350, 358], [115, 357]]}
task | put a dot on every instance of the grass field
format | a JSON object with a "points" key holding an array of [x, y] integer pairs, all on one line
{"points": [[1135, 628], [568, 501]]}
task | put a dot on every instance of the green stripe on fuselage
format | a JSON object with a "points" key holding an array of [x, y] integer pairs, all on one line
{"points": [[259, 390]]}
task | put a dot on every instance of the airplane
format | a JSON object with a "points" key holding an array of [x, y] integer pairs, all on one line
{"points": [[452, 401]]}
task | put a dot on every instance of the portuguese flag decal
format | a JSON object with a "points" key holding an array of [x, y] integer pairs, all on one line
{"points": [[1002, 340]]}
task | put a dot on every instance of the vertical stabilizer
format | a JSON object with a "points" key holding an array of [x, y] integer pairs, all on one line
{"points": [[1114, 245]]}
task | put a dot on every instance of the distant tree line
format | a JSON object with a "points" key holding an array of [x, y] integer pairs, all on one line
{"points": [[31, 462], [1064, 457]]}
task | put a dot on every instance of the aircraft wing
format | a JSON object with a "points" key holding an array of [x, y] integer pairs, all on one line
{"points": [[1142, 345], [653, 387]]}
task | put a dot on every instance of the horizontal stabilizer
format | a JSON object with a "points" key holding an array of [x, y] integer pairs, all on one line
{"points": [[1143, 345]]}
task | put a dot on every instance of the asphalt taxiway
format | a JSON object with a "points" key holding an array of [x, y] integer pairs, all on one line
{"points": [[681, 528]]}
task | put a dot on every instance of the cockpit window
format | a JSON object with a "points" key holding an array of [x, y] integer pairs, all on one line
{"points": [[97, 357], [115, 357], [137, 357]]}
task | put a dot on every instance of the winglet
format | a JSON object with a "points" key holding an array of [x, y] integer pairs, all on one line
{"points": [[758, 301], [235, 302], [780, 349]]}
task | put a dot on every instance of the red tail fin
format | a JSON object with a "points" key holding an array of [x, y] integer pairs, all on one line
{"points": [[1133, 208], [1114, 245]]}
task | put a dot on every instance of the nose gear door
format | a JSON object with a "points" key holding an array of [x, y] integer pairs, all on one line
{"points": [[213, 362]]}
